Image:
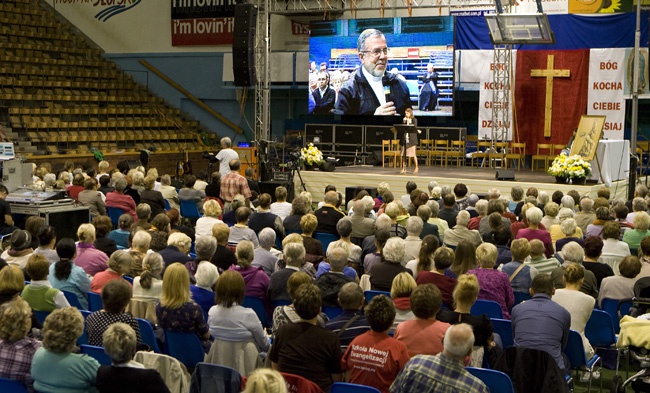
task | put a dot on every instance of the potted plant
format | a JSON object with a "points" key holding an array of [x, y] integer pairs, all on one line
{"points": [[573, 167], [311, 157]]}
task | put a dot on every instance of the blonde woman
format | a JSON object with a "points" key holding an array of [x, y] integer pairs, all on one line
{"points": [[139, 247], [88, 257], [400, 291], [265, 380], [494, 284], [212, 211], [148, 285], [176, 311]]}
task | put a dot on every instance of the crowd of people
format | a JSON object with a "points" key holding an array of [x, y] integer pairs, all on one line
{"points": [[435, 250]]}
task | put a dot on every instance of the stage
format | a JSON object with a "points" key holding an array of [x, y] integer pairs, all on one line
{"points": [[479, 180]]}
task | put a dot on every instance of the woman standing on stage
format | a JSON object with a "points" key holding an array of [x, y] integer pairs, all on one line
{"points": [[410, 139]]}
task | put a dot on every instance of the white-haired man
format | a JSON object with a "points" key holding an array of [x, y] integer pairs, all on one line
{"points": [[444, 372]]}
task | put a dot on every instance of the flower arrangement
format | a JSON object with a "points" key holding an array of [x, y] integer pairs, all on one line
{"points": [[570, 167], [310, 155]]}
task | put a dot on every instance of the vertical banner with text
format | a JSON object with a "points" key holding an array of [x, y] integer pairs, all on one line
{"points": [[486, 95], [606, 75]]}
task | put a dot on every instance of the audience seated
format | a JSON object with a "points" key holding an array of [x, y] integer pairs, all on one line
{"points": [[306, 266], [263, 218], [294, 256], [115, 298], [88, 257], [152, 197], [573, 253], [178, 246], [121, 234], [569, 228], [551, 211], [400, 291], [494, 285], [143, 214], [344, 229], [257, 282], [263, 257], [281, 207], [55, 368], [16, 348], [464, 260], [169, 192], [412, 241], [460, 232], [39, 293], [46, 243], [534, 217], [228, 320], [118, 199], [375, 371], [20, 248], [103, 243], [189, 193], [304, 348], [204, 225], [382, 274], [540, 323], [206, 277], [330, 282], [176, 310], [443, 372], [140, 244], [621, 287], [423, 335], [118, 265], [147, 286], [442, 260], [223, 257], [299, 207], [593, 250], [240, 231], [634, 236], [424, 259], [352, 322], [66, 275], [520, 274], [124, 374], [313, 247], [176, 225], [362, 226], [329, 215]]}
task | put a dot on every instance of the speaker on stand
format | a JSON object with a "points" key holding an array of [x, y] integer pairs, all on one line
{"points": [[243, 45]]}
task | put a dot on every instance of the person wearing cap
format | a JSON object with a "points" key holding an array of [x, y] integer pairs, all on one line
{"points": [[20, 249]]}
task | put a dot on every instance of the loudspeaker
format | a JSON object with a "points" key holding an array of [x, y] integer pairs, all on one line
{"points": [[505, 175], [374, 158], [243, 45]]}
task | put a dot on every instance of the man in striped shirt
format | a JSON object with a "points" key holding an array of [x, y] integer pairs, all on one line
{"points": [[538, 259], [444, 372]]}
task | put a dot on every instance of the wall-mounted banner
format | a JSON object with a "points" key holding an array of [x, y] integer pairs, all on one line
{"points": [[606, 73], [106, 8], [202, 22], [599, 6], [289, 33]]}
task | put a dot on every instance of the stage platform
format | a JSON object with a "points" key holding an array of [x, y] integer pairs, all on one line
{"points": [[479, 180]]}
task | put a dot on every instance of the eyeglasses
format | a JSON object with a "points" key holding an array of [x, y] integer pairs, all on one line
{"points": [[322, 79], [377, 52]]}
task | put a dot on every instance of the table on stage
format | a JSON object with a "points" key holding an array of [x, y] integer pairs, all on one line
{"points": [[614, 157]]}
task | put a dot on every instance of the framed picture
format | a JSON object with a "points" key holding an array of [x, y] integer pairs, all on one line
{"points": [[589, 133]]}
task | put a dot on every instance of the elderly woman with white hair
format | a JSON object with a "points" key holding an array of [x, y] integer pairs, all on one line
{"points": [[603, 214], [206, 276], [382, 274], [569, 228], [212, 211], [139, 247], [169, 192], [88, 257], [263, 257], [556, 230], [439, 222], [124, 374], [551, 211], [299, 207], [534, 216], [118, 264], [393, 211], [344, 229], [481, 209], [178, 246], [412, 242], [573, 253]]}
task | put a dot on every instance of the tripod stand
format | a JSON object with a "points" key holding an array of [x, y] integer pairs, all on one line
{"points": [[295, 168]]}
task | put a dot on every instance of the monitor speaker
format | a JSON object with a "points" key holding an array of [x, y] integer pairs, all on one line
{"points": [[243, 45], [505, 175]]}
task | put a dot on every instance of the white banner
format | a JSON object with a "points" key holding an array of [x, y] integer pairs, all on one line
{"points": [[548, 6], [606, 77], [486, 92]]}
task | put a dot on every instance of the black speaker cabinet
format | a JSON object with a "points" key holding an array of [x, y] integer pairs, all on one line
{"points": [[505, 175], [243, 45]]}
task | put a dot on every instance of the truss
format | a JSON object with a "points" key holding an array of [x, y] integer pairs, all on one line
{"points": [[263, 67]]}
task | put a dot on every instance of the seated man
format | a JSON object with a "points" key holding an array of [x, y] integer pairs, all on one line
{"points": [[376, 371], [444, 372], [540, 323], [331, 282], [351, 299], [328, 215], [304, 348]]}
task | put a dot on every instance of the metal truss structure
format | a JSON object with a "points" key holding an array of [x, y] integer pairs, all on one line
{"points": [[501, 93], [263, 67]]}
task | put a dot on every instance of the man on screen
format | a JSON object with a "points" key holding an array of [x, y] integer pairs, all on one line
{"points": [[371, 90], [324, 96], [429, 93]]}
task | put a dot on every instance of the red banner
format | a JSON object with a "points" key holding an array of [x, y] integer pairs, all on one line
{"points": [[202, 31], [569, 99]]}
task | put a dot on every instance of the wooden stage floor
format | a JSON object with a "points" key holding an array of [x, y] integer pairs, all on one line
{"points": [[479, 180]]}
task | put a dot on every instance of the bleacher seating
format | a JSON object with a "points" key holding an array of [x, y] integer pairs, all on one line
{"points": [[59, 95]]}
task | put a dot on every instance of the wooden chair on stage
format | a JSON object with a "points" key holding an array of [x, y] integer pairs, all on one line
{"points": [[440, 149], [516, 153], [390, 149], [425, 148], [543, 153], [557, 149], [457, 152], [498, 153], [482, 151]]}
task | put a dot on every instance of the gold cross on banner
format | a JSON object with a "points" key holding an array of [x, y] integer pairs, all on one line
{"points": [[549, 73]]}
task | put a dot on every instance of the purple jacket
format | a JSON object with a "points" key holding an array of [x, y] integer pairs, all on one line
{"points": [[256, 281], [90, 259]]}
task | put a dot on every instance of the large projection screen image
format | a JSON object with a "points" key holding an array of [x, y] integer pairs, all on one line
{"points": [[410, 66]]}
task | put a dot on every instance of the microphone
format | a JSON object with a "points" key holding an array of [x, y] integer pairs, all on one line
{"points": [[386, 84]]}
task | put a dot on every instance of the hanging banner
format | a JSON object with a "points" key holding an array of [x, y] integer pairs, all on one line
{"points": [[202, 22], [606, 75], [600, 6], [486, 93]]}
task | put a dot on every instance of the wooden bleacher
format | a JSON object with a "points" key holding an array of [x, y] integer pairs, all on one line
{"points": [[59, 95]]}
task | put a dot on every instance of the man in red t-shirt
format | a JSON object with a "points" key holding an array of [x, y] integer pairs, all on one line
{"points": [[374, 358]]}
